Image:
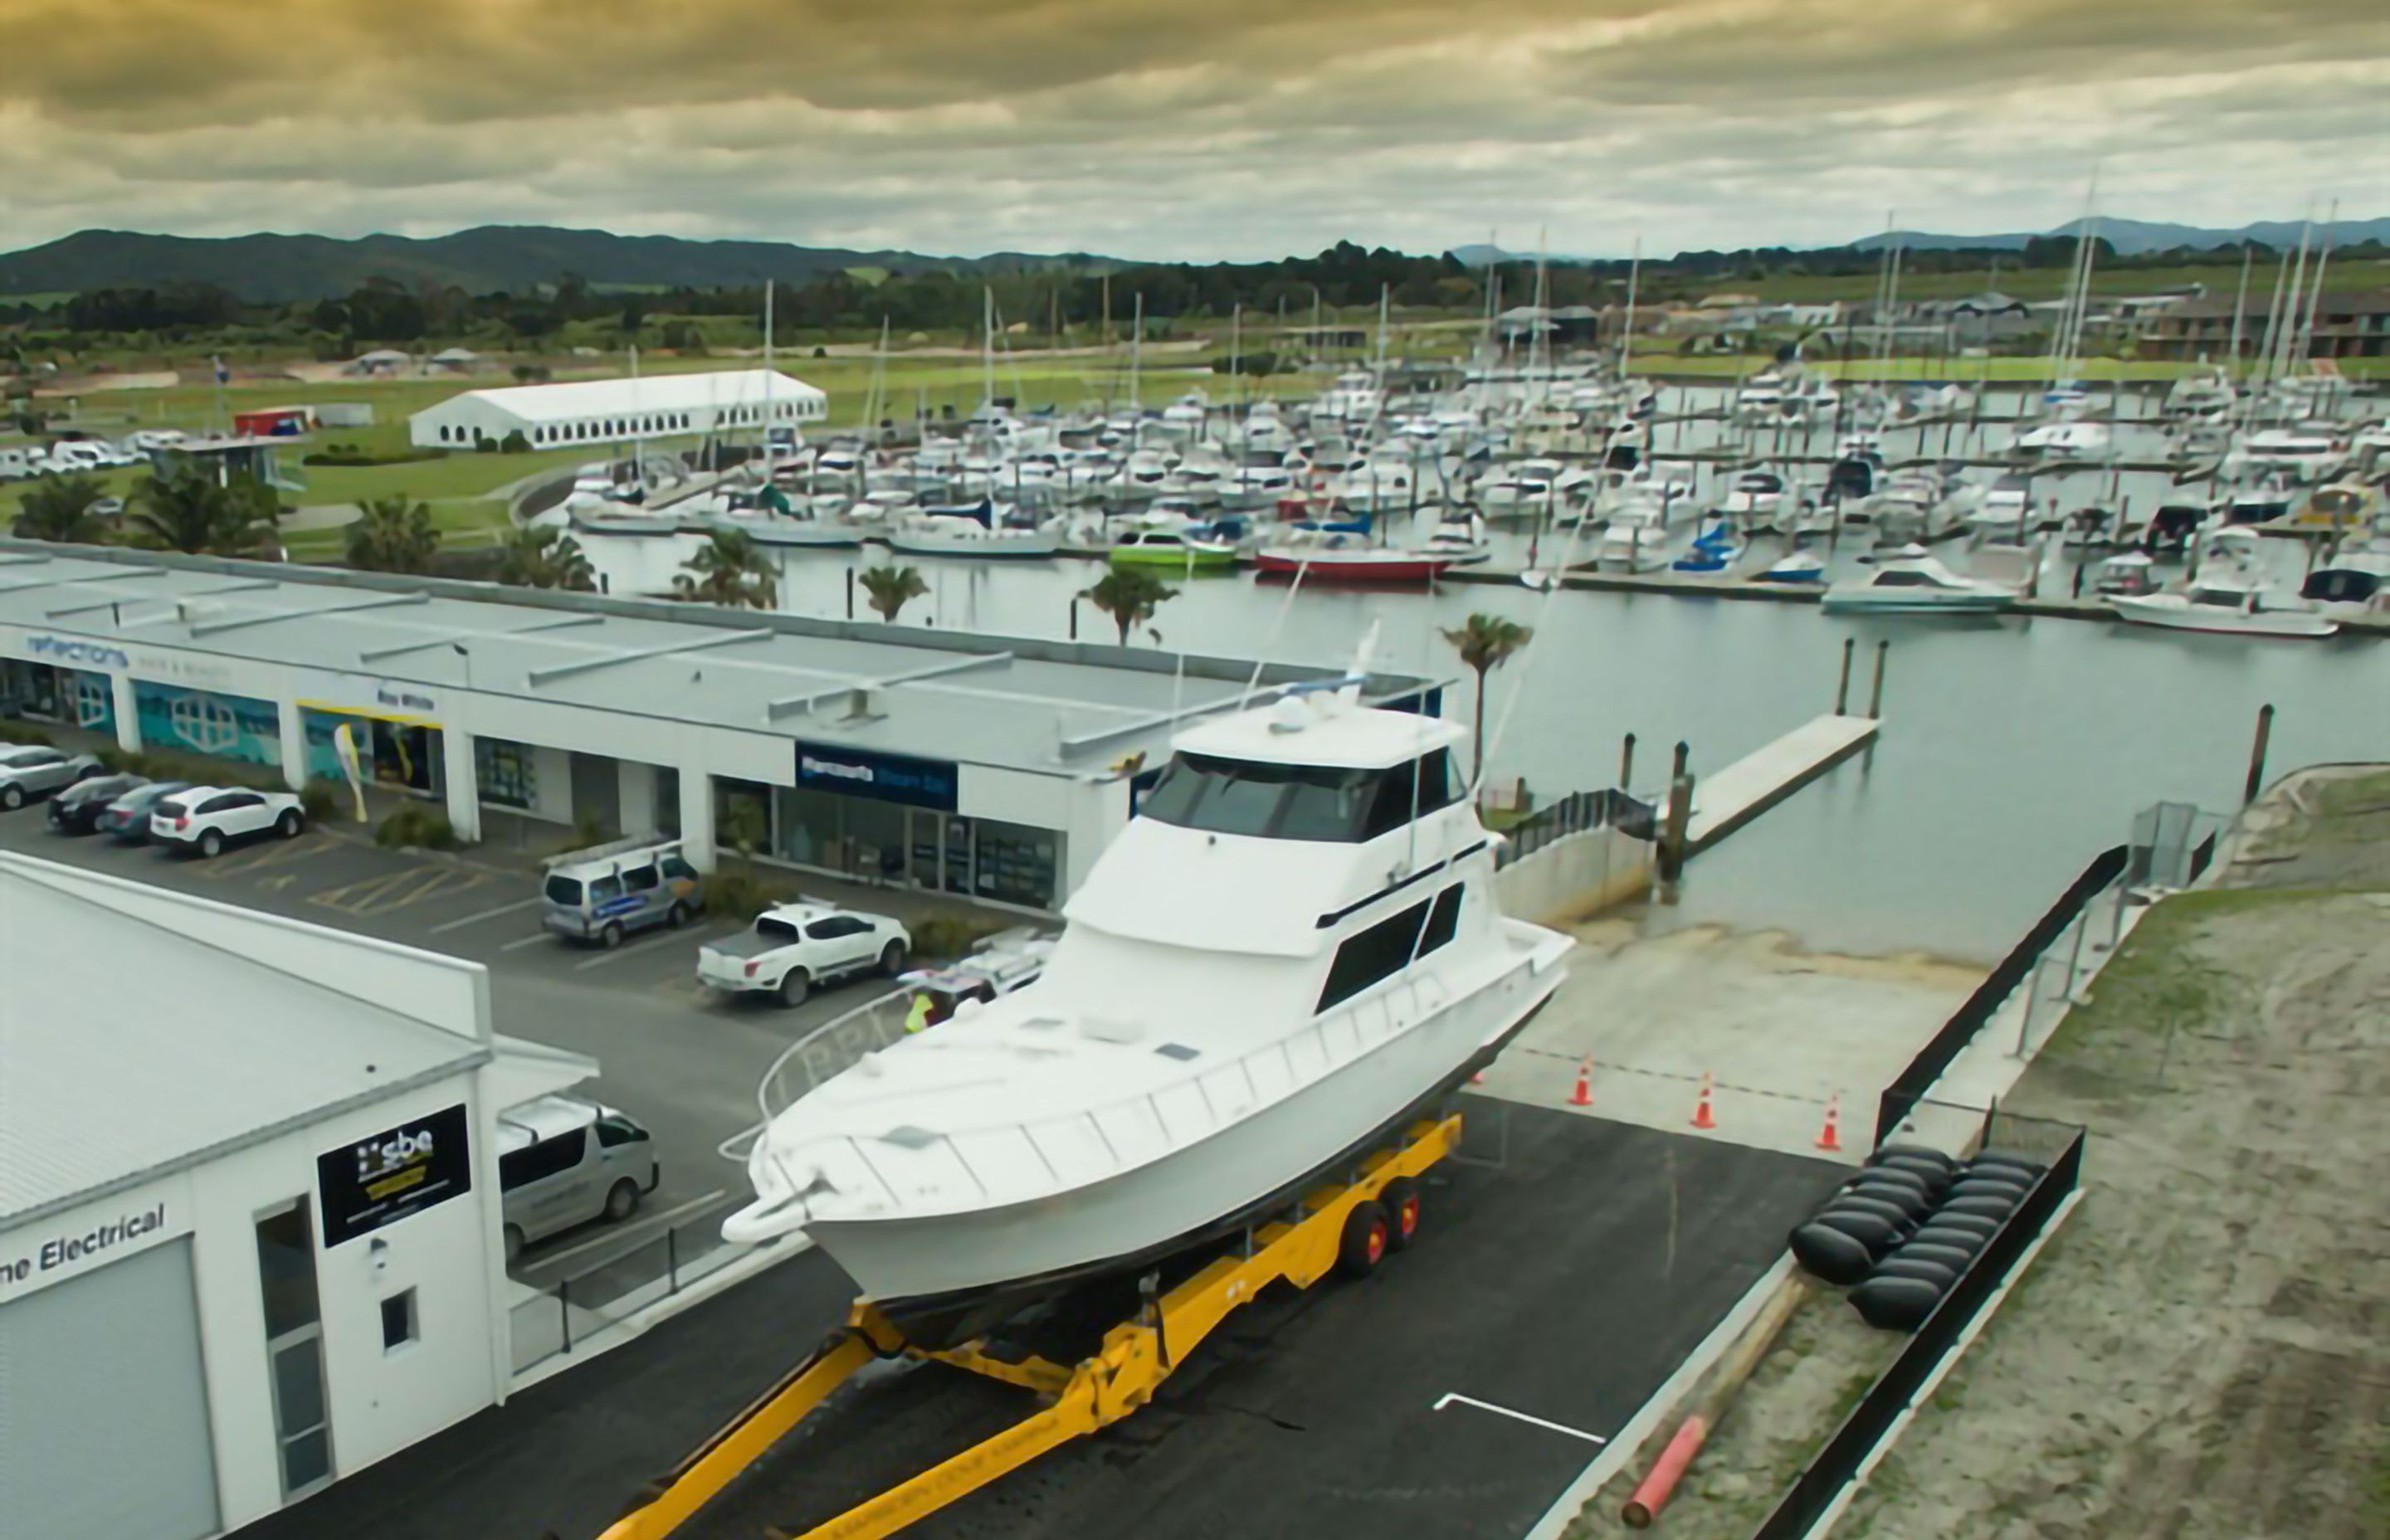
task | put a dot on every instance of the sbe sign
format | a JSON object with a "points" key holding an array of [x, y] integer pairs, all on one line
{"points": [[396, 1172]]}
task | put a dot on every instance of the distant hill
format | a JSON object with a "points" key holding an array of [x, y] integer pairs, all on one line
{"points": [[2130, 237], [512, 258], [2134, 237]]}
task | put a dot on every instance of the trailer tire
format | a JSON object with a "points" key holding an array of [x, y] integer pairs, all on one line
{"points": [[1401, 1200], [1363, 1244]]}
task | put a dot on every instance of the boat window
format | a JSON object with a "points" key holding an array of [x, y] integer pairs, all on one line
{"points": [[1298, 802], [1896, 578], [1382, 950]]}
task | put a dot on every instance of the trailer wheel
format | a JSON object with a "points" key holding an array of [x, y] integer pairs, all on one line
{"points": [[1401, 1200], [1364, 1241]]}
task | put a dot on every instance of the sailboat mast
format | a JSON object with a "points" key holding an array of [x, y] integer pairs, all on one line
{"points": [[2283, 341], [988, 344], [767, 379], [1626, 333], [2240, 306], [2315, 287], [1136, 350]]}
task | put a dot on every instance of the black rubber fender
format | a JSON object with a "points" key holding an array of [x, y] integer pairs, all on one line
{"points": [[1854, 1203], [1915, 1153], [1911, 1203], [2010, 1158], [1887, 1177], [1873, 1231], [1990, 1208], [1951, 1236], [1984, 1187], [1924, 1269], [1976, 1225], [1934, 1176], [1830, 1255], [1896, 1304], [1952, 1257]]}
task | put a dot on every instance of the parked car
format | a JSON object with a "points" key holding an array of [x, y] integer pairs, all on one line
{"points": [[604, 893], [29, 771], [76, 809], [564, 1160], [792, 948], [128, 816], [207, 818]]}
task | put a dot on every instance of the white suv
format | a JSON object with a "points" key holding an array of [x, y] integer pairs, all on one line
{"points": [[207, 818], [795, 946]]}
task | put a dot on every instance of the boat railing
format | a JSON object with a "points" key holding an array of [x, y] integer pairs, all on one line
{"points": [[1099, 1141], [830, 1049]]}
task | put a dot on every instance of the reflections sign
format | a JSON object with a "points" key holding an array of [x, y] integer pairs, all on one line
{"points": [[396, 1172], [885, 777]]}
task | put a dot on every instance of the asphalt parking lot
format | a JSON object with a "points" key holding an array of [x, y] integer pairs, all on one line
{"points": [[678, 1057], [1453, 1396]]}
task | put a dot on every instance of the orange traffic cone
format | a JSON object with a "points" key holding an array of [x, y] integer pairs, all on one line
{"points": [[1830, 1138], [1702, 1115], [1583, 1095]]}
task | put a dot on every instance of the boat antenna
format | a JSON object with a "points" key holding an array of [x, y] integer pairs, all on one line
{"points": [[1261, 659]]}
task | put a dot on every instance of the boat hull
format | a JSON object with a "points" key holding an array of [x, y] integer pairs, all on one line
{"points": [[2229, 623], [1196, 1191], [1184, 559], [994, 548], [1333, 567], [1961, 604]]}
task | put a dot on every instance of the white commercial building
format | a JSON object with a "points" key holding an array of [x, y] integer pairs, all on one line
{"points": [[248, 1205], [616, 411], [992, 768]]}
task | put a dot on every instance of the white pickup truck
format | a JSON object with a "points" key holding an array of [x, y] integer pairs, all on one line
{"points": [[794, 946], [207, 818]]}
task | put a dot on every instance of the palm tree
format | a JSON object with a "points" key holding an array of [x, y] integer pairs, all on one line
{"points": [[546, 558], [888, 588], [393, 535], [730, 569], [1130, 595], [184, 508], [1485, 643], [61, 510]]}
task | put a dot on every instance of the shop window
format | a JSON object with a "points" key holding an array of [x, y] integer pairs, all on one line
{"points": [[398, 1320], [1016, 864], [507, 771]]}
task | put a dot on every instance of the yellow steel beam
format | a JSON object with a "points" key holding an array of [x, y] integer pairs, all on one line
{"points": [[744, 1440]]}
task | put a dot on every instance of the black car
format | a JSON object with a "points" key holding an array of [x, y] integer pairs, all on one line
{"points": [[76, 809]]}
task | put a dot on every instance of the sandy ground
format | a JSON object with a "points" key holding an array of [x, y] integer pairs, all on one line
{"points": [[84, 385], [2201, 1351]]}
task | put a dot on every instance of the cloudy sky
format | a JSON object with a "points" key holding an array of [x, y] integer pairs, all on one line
{"points": [[1186, 128]]}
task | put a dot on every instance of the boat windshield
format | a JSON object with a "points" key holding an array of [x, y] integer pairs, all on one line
{"points": [[1297, 802]]}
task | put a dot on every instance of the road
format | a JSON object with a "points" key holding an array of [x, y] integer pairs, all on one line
{"points": [[681, 1060]]}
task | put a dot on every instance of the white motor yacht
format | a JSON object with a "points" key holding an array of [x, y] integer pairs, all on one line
{"points": [[2354, 581], [1760, 400], [2228, 592], [2005, 508], [1635, 537], [1293, 948], [2068, 440], [1761, 501], [2205, 394], [1910, 582], [2302, 453]]}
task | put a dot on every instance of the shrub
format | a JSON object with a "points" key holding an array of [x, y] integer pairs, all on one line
{"points": [[514, 443], [951, 935], [417, 827], [741, 895], [18, 733], [320, 800]]}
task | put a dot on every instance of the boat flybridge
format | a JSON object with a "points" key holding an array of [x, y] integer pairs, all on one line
{"points": [[1293, 946]]}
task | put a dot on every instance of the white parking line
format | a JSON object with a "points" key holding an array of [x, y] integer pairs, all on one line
{"points": [[532, 940], [1451, 1396], [486, 913], [667, 938]]}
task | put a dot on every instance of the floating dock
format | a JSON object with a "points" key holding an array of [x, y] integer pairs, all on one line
{"points": [[1724, 802]]}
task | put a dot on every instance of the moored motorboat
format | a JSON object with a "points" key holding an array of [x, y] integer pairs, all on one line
{"points": [[982, 530], [1909, 582], [1294, 946], [1173, 550]]}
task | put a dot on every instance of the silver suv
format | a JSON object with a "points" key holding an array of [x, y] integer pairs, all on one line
{"points": [[32, 771]]}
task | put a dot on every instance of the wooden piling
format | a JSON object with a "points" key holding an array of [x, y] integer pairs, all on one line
{"points": [[1626, 762], [1842, 690], [2256, 781], [1875, 695]]}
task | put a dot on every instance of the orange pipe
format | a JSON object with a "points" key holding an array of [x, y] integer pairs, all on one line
{"points": [[1653, 1494]]}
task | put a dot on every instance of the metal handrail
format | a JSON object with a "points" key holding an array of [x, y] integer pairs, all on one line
{"points": [[1411, 991]]}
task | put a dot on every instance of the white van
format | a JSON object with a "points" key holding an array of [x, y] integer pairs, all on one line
{"points": [[20, 465], [564, 1160]]}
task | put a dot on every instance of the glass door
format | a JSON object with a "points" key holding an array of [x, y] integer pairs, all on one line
{"points": [[294, 1347]]}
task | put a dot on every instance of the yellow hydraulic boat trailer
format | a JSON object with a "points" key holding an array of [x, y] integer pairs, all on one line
{"points": [[1345, 1227]]}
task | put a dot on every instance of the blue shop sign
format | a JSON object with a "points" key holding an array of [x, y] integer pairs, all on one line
{"points": [[886, 777]]}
